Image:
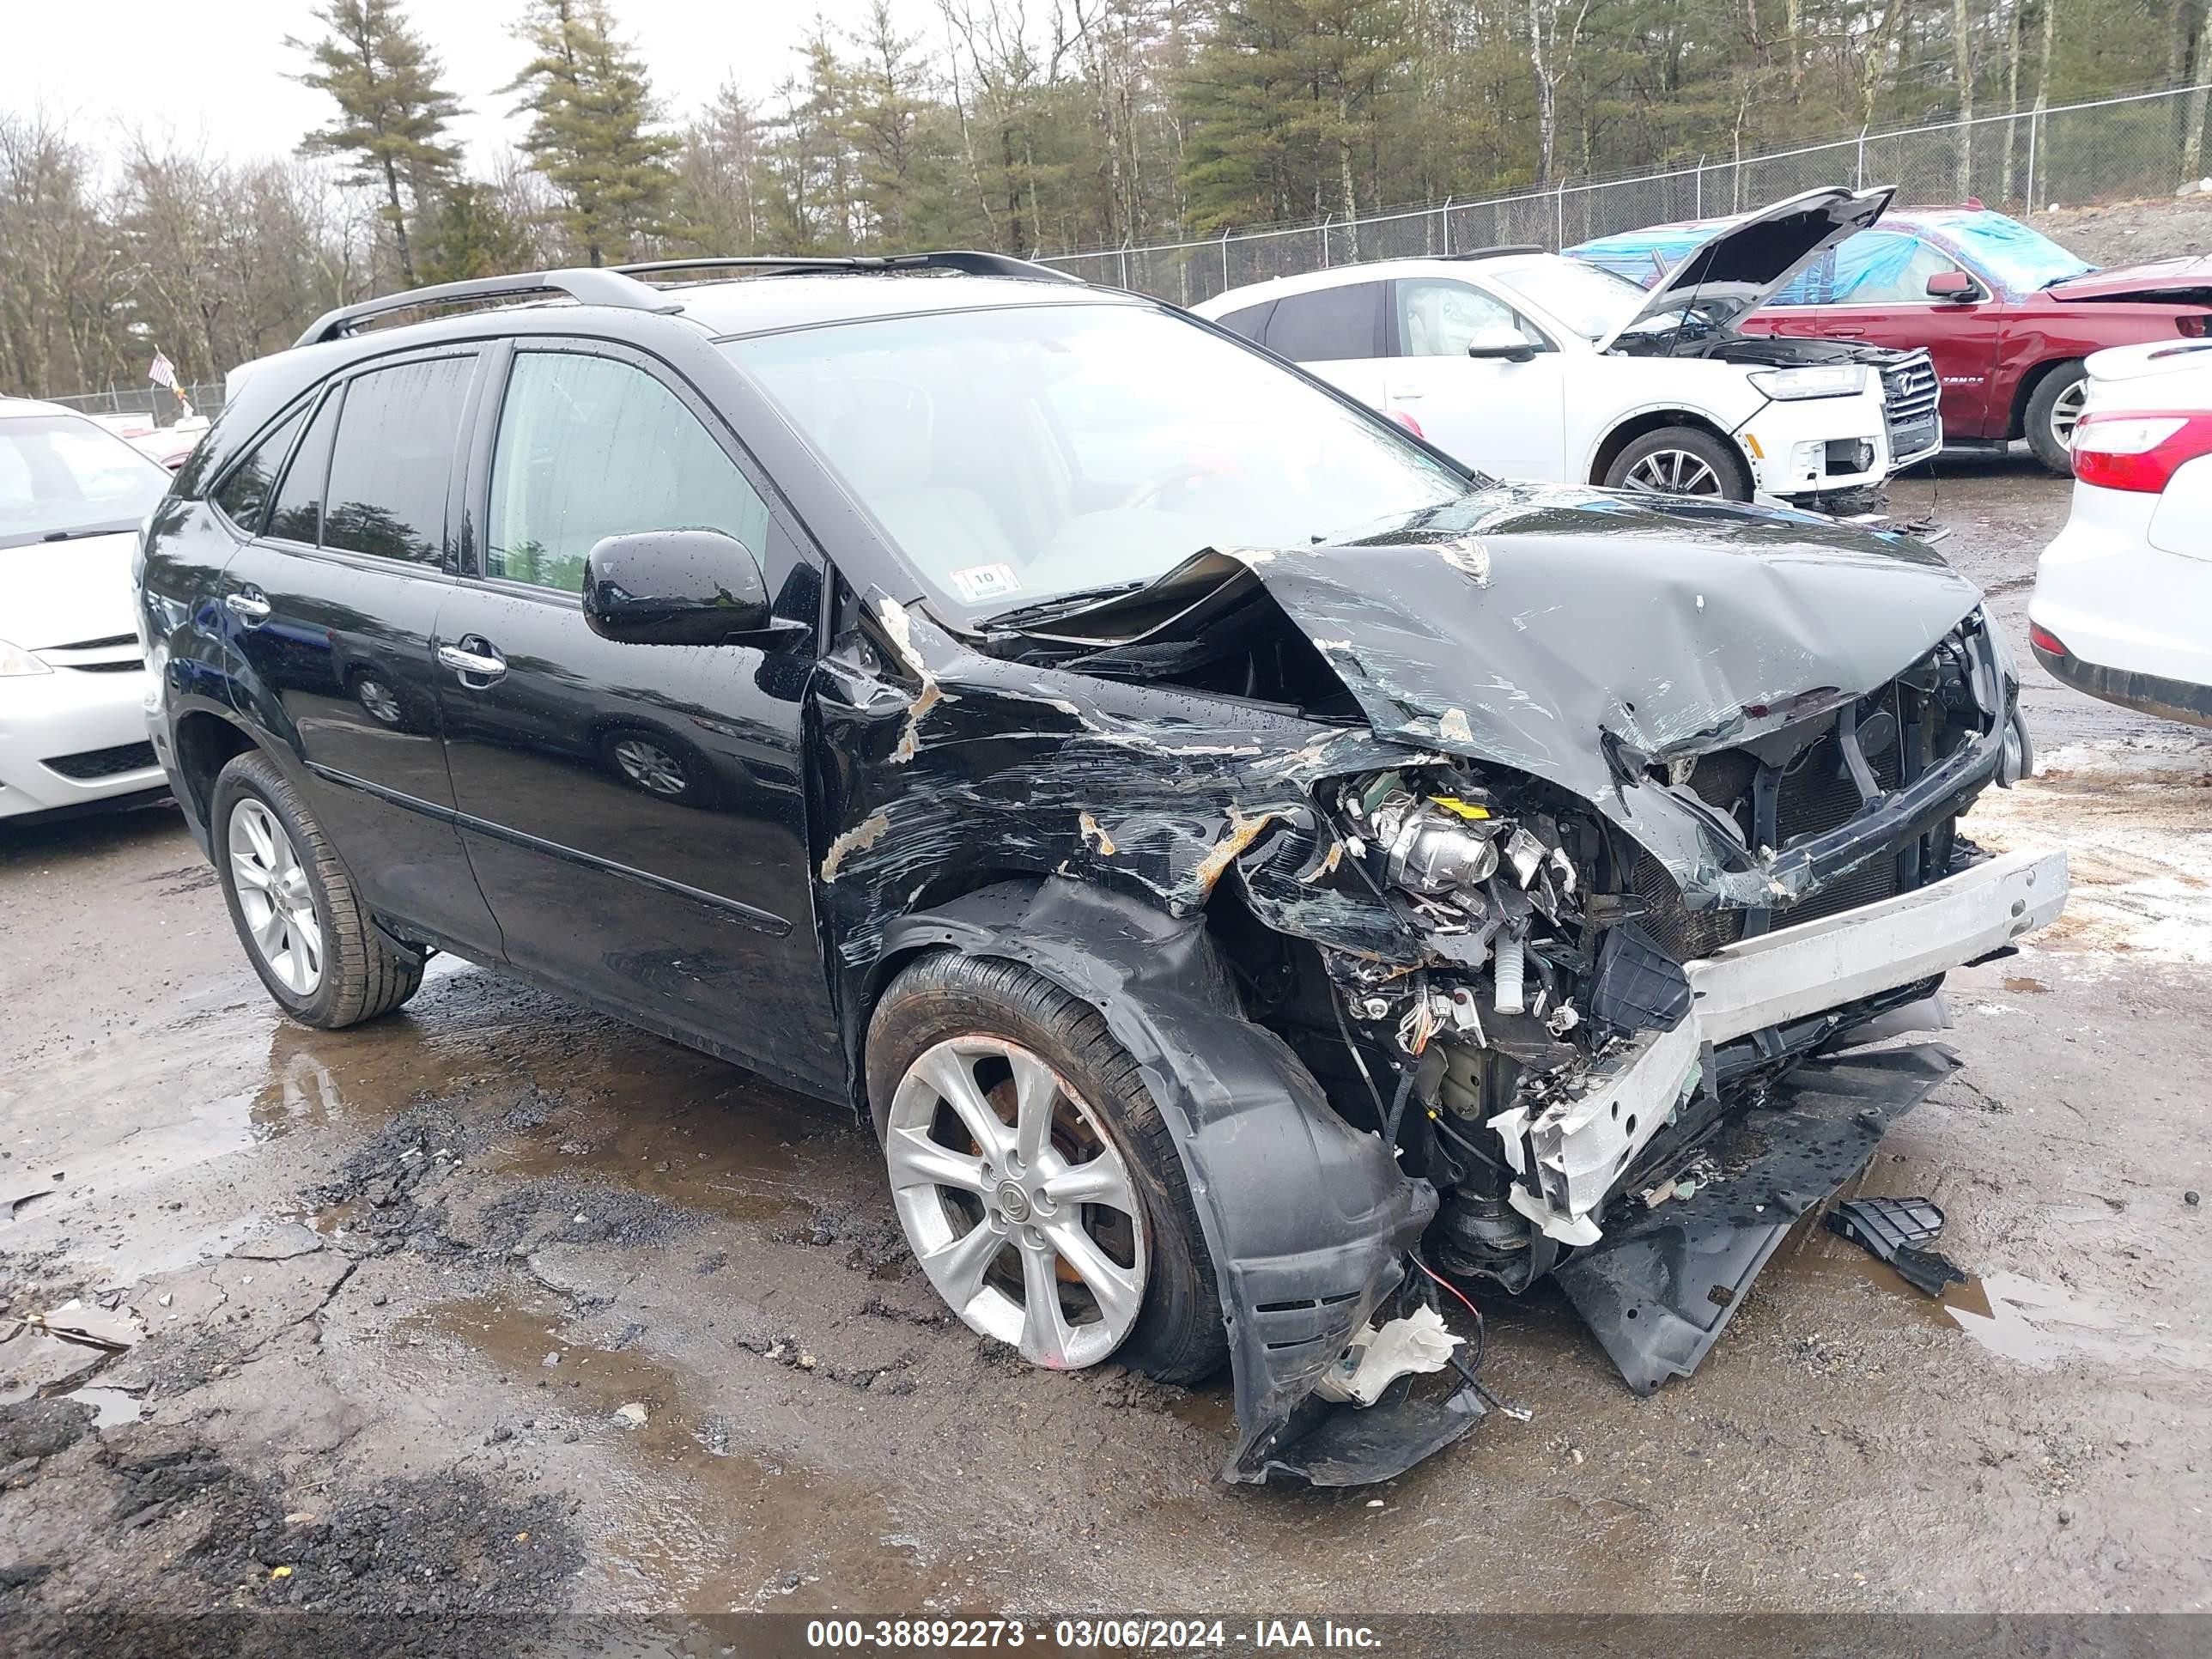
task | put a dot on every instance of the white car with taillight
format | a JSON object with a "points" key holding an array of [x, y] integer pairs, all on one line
{"points": [[2123, 605], [1524, 364], [72, 675]]}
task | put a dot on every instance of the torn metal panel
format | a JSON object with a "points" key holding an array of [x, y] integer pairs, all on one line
{"points": [[1662, 1286], [1307, 1219], [952, 766], [1581, 1144]]}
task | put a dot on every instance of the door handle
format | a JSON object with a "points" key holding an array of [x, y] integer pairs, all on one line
{"points": [[247, 602], [1847, 334], [473, 656], [1405, 396]]}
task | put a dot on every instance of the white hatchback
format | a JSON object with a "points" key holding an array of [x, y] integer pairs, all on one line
{"points": [[2122, 602], [72, 676], [1527, 365]]}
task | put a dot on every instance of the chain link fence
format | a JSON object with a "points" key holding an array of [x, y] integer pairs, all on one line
{"points": [[154, 401], [2116, 148]]}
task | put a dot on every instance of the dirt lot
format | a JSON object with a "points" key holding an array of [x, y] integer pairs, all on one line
{"points": [[498, 1307]]}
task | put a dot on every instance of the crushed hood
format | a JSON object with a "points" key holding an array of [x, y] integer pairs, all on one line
{"points": [[1573, 634], [1747, 261], [2183, 280]]}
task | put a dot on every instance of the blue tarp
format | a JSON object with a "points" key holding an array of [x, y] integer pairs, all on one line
{"points": [[1876, 266]]}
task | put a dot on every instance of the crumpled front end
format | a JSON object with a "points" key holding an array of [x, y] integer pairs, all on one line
{"points": [[1460, 896]]}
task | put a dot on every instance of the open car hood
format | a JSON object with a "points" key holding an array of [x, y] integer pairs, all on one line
{"points": [[2184, 281], [1579, 636], [1745, 263]]}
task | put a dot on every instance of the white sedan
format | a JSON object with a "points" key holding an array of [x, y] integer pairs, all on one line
{"points": [[1527, 365], [2122, 602], [72, 680]]}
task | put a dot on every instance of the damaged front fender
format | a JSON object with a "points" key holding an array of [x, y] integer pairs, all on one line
{"points": [[1307, 1219]]}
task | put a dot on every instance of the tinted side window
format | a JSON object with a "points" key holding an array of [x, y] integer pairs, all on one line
{"points": [[589, 447], [297, 514], [1250, 322], [1327, 324], [246, 491], [394, 459]]}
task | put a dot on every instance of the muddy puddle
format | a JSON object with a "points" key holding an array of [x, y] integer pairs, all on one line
{"points": [[2020, 1319], [693, 1518], [685, 1129]]}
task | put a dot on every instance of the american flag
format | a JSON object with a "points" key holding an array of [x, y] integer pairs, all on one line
{"points": [[162, 371]]}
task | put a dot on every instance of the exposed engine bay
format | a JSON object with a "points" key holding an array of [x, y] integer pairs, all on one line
{"points": [[1576, 951]]}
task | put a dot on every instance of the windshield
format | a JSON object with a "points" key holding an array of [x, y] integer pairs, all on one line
{"points": [[1017, 454], [2019, 258], [61, 474], [1587, 299]]}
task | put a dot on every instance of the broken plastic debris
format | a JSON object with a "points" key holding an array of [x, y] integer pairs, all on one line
{"points": [[88, 1327], [1378, 1357], [1893, 1229]]}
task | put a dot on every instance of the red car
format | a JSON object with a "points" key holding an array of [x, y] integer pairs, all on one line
{"points": [[2006, 313]]}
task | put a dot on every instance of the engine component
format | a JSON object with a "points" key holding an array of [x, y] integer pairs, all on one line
{"points": [[1432, 853], [1512, 957]]}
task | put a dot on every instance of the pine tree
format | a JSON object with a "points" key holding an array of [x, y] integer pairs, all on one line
{"points": [[473, 235], [592, 128], [392, 112]]}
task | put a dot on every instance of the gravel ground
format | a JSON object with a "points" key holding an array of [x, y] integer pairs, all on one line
{"points": [[496, 1310]]}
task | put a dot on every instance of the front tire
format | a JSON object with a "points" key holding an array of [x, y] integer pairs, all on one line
{"points": [[1680, 460], [1035, 1179], [2053, 408], [304, 927]]}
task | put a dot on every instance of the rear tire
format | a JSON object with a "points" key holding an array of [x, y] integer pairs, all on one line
{"points": [[2052, 409], [1680, 460], [313, 945], [1178, 1335]]}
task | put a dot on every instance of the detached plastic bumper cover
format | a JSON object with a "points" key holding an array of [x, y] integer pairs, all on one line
{"points": [[1660, 1289]]}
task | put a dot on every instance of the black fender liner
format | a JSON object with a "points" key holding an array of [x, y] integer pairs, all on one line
{"points": [[1307, 1219]]}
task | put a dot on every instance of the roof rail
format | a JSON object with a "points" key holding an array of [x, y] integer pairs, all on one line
{"points": [[586, 286], [1498, 252], [973, 262]]}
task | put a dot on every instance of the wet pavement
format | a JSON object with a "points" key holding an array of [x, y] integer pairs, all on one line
{"points": [[524, 1311]]}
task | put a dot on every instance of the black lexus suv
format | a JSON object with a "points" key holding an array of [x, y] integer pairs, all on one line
{"points": [[1248, 864]]}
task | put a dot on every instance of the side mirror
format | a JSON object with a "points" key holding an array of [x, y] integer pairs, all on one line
{"points": [[1952, 285], [1503, 345], [673, 587]]}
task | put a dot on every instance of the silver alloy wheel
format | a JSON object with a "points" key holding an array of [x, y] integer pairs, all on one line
{"points": [[1674, 473], [2066, 412], [274, 898], [1012, 1187], [380, 701], [650, 767]]}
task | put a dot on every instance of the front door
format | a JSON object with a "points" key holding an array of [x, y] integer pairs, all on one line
{"points": [[331, 606], [635, 813], [1503, 418], [1875, 287]]}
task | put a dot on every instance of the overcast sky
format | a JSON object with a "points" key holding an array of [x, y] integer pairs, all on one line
{"points": [[217, 69]]}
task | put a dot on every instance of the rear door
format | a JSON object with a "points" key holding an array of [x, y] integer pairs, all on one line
{"points": [[1503, 418], [329, 610], [635, 813], [1336, 332]]}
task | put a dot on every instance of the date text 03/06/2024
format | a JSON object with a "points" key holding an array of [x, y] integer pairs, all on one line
{"points": [[1136, 1634]]}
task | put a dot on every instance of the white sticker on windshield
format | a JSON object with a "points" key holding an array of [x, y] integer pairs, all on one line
{"points": [[979, 582]]}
